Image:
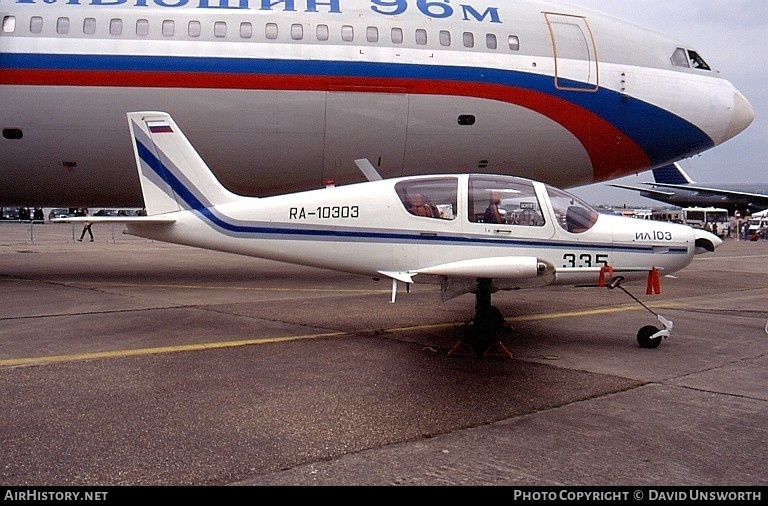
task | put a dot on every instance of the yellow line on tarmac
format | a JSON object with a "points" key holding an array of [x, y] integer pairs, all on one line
{"points": [[249, 342], [158, 350], [219, 287]]}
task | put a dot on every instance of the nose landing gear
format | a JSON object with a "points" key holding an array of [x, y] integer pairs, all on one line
{"points": [[649, 336]]}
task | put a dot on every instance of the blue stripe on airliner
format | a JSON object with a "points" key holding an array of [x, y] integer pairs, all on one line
{"points": [[617, 109], [194, 204]]}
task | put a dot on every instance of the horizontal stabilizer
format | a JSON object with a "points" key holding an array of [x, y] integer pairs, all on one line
{"points": [[404, 277], [115, 219]]}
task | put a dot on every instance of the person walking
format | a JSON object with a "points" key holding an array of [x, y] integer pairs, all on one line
{"points": [[86, 228]]}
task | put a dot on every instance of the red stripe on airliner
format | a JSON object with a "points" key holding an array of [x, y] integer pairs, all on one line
{"points": [[612, 154]]}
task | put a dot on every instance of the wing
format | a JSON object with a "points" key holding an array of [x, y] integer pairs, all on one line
{"points": [[714, 191], [644, 190], [458, 278]]}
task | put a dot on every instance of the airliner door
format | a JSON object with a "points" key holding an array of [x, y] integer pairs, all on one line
{"points": [[574, 50]]}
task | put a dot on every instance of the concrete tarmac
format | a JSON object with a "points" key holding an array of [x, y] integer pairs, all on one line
{"points": [[128, 362]]}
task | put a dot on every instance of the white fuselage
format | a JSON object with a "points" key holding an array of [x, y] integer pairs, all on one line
{"points": [[284, 97], [365, 229]]}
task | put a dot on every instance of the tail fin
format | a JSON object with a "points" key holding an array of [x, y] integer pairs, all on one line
{"points": [[173, 176], [671, 174]]}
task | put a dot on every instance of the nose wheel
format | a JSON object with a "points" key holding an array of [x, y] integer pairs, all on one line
{"points": [[649, 336]]}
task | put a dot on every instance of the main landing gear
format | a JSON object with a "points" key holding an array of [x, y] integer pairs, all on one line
{"points": [[648, 336], [482, 334]]}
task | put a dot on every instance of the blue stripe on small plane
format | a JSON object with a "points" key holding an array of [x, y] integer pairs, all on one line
{"points": [[359, 235], [617, 109]]}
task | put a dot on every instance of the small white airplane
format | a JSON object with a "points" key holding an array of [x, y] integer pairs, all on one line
{"points": [[543, 90], [470, 233]]}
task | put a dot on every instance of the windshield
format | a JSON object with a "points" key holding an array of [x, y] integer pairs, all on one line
{"points": [[573, 214]]}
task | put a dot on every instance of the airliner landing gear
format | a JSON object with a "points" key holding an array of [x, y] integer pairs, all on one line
{"points": [[482, 334], [648, 336]]}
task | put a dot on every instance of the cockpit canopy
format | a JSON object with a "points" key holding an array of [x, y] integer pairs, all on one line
{"points": [[501, 200]]}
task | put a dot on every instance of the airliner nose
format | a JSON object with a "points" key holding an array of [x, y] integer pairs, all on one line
{"points": [[742, 116], [706, 242]]}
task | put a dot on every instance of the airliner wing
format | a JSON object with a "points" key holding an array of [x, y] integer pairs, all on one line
{"points": [[645, 190], [712, 191]]}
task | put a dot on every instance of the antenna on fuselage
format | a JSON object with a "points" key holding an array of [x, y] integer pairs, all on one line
{"points": [[368, 170]]}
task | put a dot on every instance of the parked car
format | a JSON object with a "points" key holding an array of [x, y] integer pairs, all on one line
{"points": [[58, 213], [9, 213]]}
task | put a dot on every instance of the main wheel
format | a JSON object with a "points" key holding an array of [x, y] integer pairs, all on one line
{"points": [[486, 327], [644, 337]]}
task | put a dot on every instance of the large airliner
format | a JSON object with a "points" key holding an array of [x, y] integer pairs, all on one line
{"points": [[533, 89]]}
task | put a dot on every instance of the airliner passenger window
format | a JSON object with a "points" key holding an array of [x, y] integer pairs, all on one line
{"points": [[434, 198], [490, 41], [115, 26], [246, 30], [220, 29], [514, 43], [445, 38], [194, 29], [169, 27], [142, 27], [372, 34], [347, 33], [62, 26], [36, 24], [322, 32], [421, 37], [469, 39], [397, 36], [270, 31], [297, 31], [9, 24], [89, 26]]}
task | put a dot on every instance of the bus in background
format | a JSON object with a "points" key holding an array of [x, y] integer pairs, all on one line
{"points": [[712, 219]]}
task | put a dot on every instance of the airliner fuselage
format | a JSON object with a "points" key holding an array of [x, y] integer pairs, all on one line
{"points": [[287, 94]]}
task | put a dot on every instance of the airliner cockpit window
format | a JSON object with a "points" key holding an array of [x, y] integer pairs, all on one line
{"points": [[573, 214], [429, 198], [697, 61], [680, 58], [689, 58]]}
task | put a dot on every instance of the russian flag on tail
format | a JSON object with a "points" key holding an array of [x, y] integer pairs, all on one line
{"points": [[159, 127]]}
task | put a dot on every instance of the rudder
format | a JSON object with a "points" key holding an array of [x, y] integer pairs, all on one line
{"points": [[173, 176]]}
